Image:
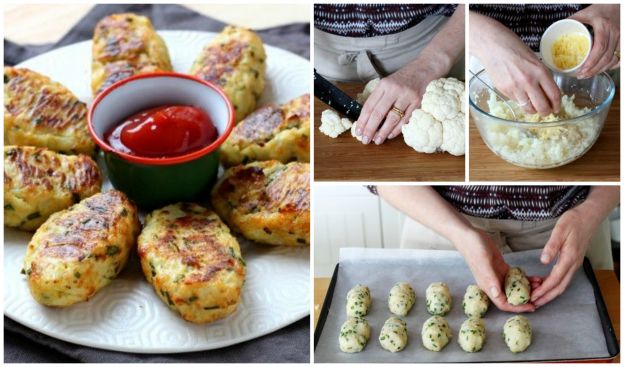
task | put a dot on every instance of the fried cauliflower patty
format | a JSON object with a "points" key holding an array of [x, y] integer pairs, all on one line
{"points": [[39, 182], [125, 45], [268, 202], [271, 132], [43, 113], [194, 263], [235, 61], [80, 250]]}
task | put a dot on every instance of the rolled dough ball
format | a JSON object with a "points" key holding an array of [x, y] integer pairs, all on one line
{"points": [[401, 299], [476, 302], [517, 287], [358, 301], [436, 333], [517, 333], [472, 335], [438, 299], [393, 335], [354, 335]]}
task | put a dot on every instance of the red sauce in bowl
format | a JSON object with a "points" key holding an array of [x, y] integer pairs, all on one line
{"points": [[165, 131]]}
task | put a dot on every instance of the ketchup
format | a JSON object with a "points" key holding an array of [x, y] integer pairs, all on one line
{"points": [[165, 131]]}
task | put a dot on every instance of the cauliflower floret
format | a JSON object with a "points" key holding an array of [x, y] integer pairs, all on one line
{"points": [[444, 98], [453, 136], [368, 89], [423, 132], [332, 125]]}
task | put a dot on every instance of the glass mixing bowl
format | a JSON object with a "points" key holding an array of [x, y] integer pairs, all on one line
{"points": [[544, 144]]}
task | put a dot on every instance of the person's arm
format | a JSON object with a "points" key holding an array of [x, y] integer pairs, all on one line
{"points": [[404, 88], [571, 238], [514, 69], [604, 54], [426, 206]]}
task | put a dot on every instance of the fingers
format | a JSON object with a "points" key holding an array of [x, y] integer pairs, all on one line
{"points": [[557, 291], [614, 64], [397, 129], [552, 91], [553, 246], [535, 281], [376, 116], [367, 110], [606, 40], [607, 56], [392, 120], [539, 100], [599, 47], [552, 281], [524, 102]]}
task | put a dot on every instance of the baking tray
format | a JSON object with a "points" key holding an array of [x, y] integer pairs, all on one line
{"points": [[553, 333]]}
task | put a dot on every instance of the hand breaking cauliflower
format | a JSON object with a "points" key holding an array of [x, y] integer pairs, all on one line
{"points": [[439, 124], [332, 125]]}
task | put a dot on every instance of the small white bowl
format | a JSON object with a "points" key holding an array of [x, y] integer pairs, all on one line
{"points": [[557, 29]]}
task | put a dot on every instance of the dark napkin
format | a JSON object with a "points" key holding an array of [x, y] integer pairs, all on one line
{"points": [[290, 344], [292, 37]]}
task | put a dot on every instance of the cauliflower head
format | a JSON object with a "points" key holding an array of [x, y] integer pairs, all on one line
{"points": [[332, 125], [423, 132], [439, 125], [444, 98]]}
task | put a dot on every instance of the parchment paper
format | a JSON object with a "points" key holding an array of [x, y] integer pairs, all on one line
{"points": [[566, 328]]}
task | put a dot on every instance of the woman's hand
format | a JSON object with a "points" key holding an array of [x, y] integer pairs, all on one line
{"points": [[489, 269], [514, 69], [571, 238], [404, 90], [604, 55]]}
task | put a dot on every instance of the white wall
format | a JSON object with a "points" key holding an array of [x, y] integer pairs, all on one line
{"points": [[350, 216]]}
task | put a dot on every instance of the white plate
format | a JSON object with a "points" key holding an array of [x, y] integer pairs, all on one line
{"points": [[127, 315]]}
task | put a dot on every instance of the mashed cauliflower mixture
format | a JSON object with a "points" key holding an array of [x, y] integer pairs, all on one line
{"points": [[545, 146]]}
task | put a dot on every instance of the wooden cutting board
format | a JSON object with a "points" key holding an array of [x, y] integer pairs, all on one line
{"points": [[346, 159], [601, 163]]}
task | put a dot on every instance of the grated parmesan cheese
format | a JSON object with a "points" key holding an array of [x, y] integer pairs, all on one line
{"points": [[569, 50]]}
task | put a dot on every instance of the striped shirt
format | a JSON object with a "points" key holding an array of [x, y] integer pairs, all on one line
{"points": [[525, 203], [370, 20], [528, 21]]}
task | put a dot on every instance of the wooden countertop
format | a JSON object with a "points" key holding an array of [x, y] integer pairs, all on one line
{"points": [[608, 282], [346, 159], [601, 163]]}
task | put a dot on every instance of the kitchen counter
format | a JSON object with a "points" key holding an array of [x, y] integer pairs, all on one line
{"points": [[346, 159]]}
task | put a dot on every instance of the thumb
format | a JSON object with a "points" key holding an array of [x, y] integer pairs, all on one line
{"points": [[493, 289], [552, 247]]}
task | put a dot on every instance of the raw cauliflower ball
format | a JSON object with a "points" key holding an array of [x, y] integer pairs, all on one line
{"points": [[368, 89], [423, 132], [439, 124], [332, 125]]}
